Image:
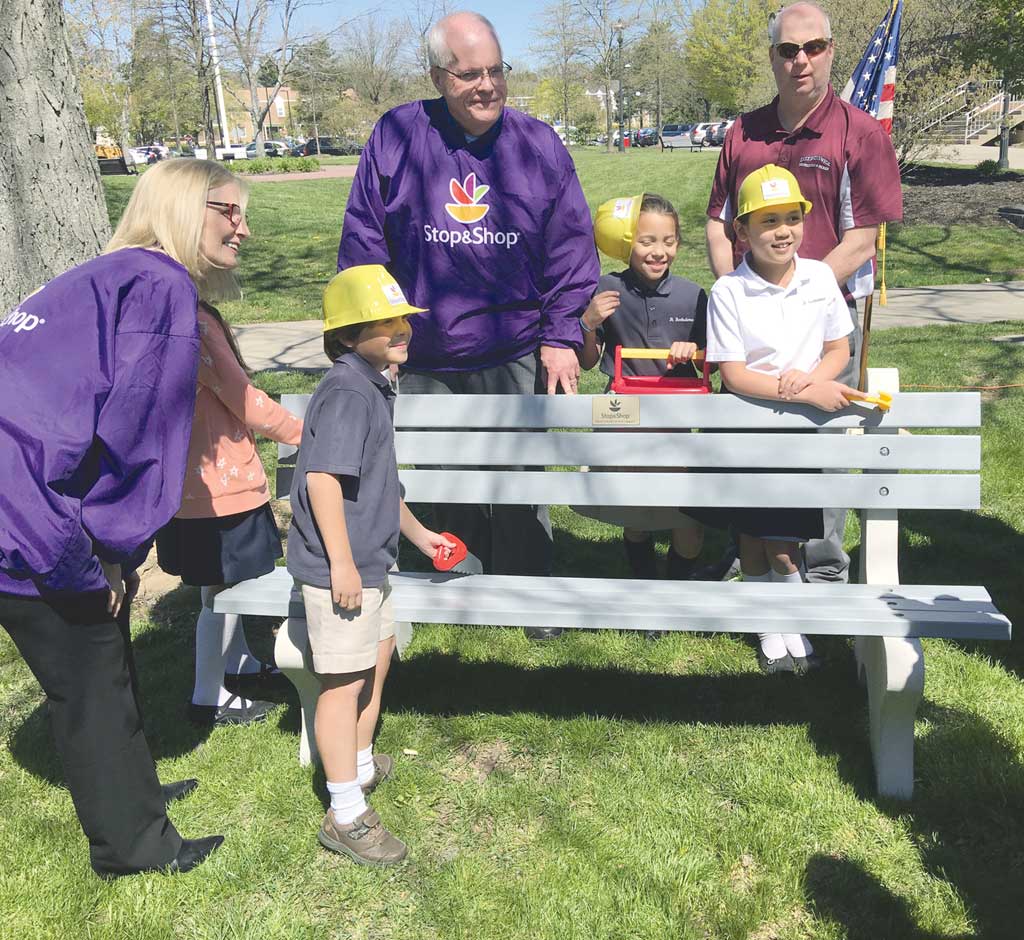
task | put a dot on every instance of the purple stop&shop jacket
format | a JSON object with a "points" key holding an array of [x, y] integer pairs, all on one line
{"points": [[97, 388], [493, 235]]}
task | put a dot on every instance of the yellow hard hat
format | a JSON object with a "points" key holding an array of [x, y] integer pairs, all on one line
{"points": [[364, 294], [615, 226], [770, 186]]}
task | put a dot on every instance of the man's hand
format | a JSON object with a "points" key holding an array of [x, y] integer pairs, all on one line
{"points": [[132, 583], [792, 382], [116, 584], [346, 587], [828, 396], [561, 367], [600, 308], [680, 352]]}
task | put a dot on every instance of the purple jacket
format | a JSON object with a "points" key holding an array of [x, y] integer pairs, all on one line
{"points": [[493, 236], [97, 387]]}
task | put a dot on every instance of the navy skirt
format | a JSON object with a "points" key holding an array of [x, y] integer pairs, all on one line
{"points": [[221, 549]]}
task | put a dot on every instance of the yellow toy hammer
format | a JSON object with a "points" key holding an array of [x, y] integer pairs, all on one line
{"points": [[883, 400]]}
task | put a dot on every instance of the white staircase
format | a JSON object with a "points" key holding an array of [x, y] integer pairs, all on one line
{"points": [[971, 113]]}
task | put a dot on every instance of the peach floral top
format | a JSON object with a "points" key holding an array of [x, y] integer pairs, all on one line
{"points": [[224, 474]]}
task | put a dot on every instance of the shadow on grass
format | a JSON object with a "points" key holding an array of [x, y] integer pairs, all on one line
{"points": [[164, 659], [968, 826]]}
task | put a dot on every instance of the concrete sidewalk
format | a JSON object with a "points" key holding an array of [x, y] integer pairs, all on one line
{"points": [[296, 344]]}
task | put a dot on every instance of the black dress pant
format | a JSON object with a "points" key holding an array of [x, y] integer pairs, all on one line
{"points": [[82, 658]]}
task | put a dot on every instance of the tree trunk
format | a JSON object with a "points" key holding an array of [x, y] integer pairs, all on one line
{"points": [[52, 211]]}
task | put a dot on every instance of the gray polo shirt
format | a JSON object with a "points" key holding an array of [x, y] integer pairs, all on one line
{"points": [[349, 432], [674, 311]]}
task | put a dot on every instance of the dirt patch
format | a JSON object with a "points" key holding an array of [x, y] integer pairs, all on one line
{"points": [[957, 195], [478, 762]]}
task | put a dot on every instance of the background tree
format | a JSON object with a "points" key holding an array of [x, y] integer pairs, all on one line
{"points": [[52, 214], [318, 77], [726, 52], [557, 44], [373, 54]]}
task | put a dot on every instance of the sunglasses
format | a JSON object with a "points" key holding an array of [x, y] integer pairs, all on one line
{"points": [[812, 48]]}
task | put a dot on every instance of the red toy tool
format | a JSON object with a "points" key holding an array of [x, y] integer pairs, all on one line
{"points": [[447, 558], [658, 384]]}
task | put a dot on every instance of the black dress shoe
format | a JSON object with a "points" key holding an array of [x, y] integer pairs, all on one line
{"points": [[193, 852], [235, 711], [772, 666], [178, 789]]}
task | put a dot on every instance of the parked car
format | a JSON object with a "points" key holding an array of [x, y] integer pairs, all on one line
{"points": [[329, 147], [717, 135], [140, 156], [699, 133], [675, 135], [646, 137], [271, 148]]}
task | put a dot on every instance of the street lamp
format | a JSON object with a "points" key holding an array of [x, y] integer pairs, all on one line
{"points": [[619, 26]]}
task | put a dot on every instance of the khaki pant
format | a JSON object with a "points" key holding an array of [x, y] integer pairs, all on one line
{"points": [[343, 641]]}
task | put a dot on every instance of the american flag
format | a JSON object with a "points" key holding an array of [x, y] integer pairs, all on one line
{"points": [[872, 86]]}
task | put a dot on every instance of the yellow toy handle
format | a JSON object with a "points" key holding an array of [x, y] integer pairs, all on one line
{"points": [[633, 353]]}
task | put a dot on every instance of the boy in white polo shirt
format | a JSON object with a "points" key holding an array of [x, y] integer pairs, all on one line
{"points": [[777, 328]]}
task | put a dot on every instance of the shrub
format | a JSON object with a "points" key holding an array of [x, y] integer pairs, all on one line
{"points": [[988, 168], [276, 165]]}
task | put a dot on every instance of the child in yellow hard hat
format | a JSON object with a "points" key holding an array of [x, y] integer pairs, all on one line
{"points": [[646, 306], [777, 328], [347, 515]]}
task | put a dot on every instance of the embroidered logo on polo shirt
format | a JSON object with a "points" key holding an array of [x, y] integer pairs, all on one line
{"points": [[467, 196], [815, 161]]}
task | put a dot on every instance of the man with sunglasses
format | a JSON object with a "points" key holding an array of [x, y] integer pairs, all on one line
{"points": [[846, 167], [477, 212]]}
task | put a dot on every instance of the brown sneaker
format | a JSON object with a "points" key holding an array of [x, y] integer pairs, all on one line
{"points": [[383, 764], [364, 840]]}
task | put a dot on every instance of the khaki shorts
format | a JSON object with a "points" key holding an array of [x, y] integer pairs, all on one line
{"points": [[346, 640]]}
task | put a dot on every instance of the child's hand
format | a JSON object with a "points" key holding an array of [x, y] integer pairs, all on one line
{"points": [[600, 308], [792, 383], [346, 586], [680, 352], [428, 542], [828, 396]]}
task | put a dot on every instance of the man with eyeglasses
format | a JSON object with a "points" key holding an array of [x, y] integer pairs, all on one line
{"points": [[846, 167], [477, 212]]}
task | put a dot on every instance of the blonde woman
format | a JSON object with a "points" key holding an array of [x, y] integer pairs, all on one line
{"points": [[96, 397]]}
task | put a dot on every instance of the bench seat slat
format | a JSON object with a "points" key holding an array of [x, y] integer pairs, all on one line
{"points": [[841, 610], [658, 449], [768, 490]]}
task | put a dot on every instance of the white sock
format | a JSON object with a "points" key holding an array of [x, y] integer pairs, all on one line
{"points": [[772, 644], [240, 660], [212, 641], [796, 643], [364, 765], [347, 801]]}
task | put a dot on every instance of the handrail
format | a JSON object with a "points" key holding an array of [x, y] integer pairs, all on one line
{"points": [[960, 94], [975, 124]]}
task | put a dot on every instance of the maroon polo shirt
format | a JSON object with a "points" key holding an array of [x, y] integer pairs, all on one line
{"points": [[841, 157]]}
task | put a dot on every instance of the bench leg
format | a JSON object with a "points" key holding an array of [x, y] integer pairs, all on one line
{"points": [[893, 669], [291, 653], [403, 637]]}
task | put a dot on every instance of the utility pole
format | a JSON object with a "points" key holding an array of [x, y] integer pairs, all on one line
{"points": [[218, 89]]}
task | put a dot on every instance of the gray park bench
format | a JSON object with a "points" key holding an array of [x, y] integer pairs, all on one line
{"points": [[872, 465]]}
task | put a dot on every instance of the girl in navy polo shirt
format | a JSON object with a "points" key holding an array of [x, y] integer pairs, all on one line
{"points": [[646, 306]]}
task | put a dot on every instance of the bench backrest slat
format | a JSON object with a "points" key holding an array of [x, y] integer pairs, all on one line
{"points": [[509, 412], [768, 490], [668, 449]]}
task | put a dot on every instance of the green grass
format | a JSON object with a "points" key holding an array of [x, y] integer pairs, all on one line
{"points": [[599, 787], [296, 227]]}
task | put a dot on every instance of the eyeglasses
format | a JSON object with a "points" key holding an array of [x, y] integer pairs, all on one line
{"points": [[230, 210], [812, 48], [474, 76]]}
